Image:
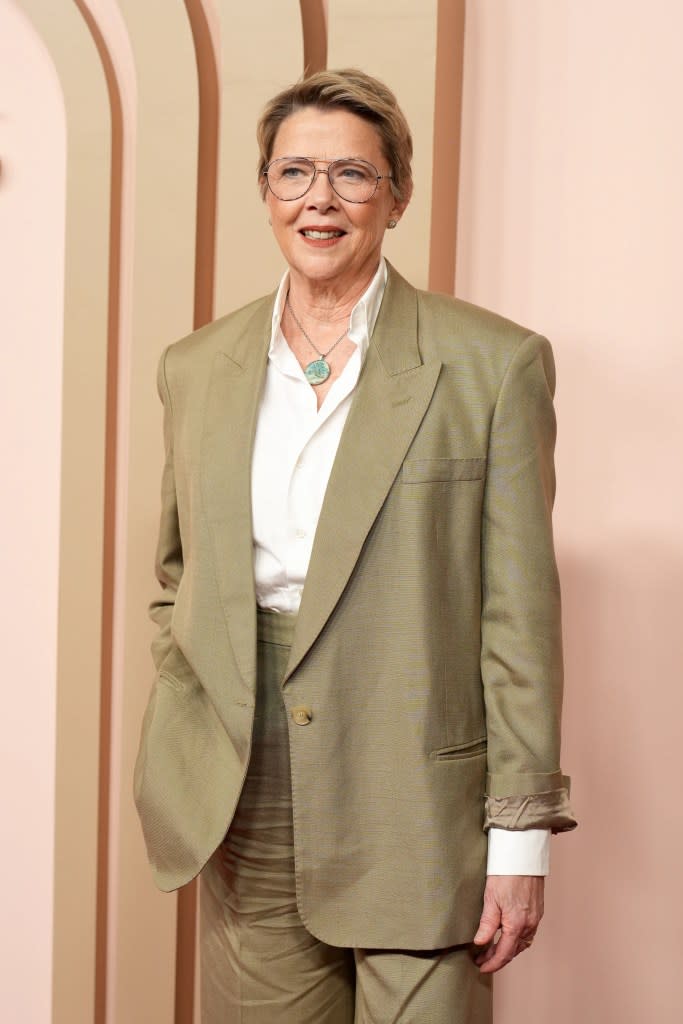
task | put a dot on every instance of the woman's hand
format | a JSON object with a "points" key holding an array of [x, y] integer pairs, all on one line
{"points": [[513, 904]]}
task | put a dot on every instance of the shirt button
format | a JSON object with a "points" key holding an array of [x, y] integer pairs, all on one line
{"points": [[300, 534], [302, 715]]}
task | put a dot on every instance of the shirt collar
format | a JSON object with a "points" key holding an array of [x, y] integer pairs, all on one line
{"points": [[363, 315]]}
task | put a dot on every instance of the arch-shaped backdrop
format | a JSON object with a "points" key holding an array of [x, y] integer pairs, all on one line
{"points": [[130, 215]]}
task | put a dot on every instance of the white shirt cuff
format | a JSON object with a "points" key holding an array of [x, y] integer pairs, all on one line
{"points": [[519, 853]]}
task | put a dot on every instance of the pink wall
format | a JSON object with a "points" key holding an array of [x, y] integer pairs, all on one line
{"points": [[32, 191], [571, 221]]}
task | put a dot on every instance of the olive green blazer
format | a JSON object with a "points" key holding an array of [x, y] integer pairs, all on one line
{"points": [[427, 646]]}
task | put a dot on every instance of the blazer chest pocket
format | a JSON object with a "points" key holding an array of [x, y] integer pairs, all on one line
{"points": [[421, 471]]}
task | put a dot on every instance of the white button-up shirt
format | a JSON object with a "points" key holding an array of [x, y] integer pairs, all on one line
{"points": [[294, 450]]}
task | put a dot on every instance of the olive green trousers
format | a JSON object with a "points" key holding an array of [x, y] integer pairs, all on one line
{"points": [[259, 964]]}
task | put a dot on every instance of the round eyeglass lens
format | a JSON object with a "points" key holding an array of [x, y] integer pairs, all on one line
{"points": [[353, 180]]}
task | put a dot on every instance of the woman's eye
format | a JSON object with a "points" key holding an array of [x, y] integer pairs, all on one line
{"points": [[352, 174], [292, 172]]}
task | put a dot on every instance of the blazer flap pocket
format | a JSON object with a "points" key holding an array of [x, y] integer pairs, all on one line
{"points": [[457, 751], [418, 471]]}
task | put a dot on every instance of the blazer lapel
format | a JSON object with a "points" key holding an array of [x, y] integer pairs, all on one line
{"points": [[227, 441], [392, 396]]}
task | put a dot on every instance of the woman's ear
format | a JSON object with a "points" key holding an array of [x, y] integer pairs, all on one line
{"points": [[400, 205]]}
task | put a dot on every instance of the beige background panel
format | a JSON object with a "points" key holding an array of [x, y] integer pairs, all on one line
{"points": [[396, 41], [571, 219], [262, 53], [142, 986], [32, 212], [83, 378], [109, 37]]}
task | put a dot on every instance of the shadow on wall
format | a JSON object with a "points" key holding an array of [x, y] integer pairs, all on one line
{"points": [[614, 943]]}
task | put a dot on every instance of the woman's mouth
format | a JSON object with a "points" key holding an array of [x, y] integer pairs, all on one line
{"points": [[321, 236]]}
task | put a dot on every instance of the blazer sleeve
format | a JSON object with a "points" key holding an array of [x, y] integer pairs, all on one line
{"points": [[169, 553], [521, 659]]}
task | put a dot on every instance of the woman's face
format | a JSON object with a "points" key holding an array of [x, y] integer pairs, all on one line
{"points": [[352, 256]]}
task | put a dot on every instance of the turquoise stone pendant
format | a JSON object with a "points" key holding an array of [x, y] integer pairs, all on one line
{"points": [[317, 371]]}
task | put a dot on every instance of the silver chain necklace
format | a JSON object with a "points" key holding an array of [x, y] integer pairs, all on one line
{"points": [[319, 370]]}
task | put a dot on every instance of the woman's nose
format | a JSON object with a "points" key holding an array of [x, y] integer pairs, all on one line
{"points": [[321, 191]]}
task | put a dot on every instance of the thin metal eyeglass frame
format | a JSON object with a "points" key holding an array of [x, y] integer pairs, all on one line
{"points": [[321, 170]]}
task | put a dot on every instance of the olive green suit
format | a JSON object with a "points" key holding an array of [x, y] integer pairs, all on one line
{"points": [[427, 651]]}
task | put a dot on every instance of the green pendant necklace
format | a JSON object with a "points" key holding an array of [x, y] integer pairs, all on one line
{"points": [[319, 370]]}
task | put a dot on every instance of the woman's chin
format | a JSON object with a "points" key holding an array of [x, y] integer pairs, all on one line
{"points": [[322, 265]]}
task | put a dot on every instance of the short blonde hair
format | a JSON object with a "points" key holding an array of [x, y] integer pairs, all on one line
{"points": [[348, 89]]}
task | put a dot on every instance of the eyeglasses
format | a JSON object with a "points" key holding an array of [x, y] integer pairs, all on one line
{"points": [[355, 181]]}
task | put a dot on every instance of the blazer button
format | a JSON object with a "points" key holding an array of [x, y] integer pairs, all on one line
{"points": [[302, 715]]}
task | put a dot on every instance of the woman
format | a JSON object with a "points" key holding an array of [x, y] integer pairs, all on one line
{"points": [[331, 756]]}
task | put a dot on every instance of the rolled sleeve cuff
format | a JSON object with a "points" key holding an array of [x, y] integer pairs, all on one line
{"points": [[519, 853], [533, 810]]}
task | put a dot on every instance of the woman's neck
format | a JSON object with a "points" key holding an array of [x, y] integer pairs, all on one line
{"points": [[326, 302]]}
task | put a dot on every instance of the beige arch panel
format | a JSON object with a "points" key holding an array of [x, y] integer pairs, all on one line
{"points": [[142, 954], [82, 502], [104, 24]]}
